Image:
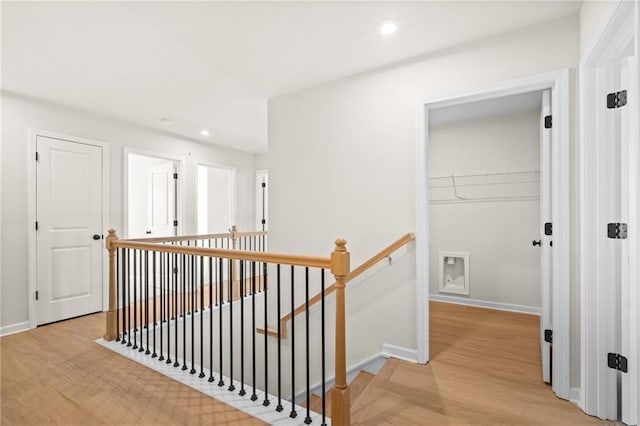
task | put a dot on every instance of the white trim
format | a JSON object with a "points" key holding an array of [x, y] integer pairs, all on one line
{"points": [[373, 365], [399, 352], [31, 212], [179, 162], [597, 388], [15, 328], [574, 396], [558, 82], [498, 306]]}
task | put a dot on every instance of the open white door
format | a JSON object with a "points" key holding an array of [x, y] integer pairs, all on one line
{"points": [[69, 229], [618, 372], [162, 205], [546, 230]]}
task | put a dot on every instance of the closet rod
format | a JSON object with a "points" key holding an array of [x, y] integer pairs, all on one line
{"points": [[488, 174]]}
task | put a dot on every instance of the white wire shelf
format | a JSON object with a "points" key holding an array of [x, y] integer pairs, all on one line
{"points": [[521, 185]]}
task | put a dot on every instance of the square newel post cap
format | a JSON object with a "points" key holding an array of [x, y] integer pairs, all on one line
{"points": [[340, 259], [111, 237]]}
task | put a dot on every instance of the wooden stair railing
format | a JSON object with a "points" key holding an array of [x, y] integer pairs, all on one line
{"points": [[338, 263], [382, 254]]}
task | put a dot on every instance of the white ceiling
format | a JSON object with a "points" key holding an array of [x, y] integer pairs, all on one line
{"points": [[214, 65]]}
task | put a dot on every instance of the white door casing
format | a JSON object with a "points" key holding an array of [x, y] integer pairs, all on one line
{"points": [[558, 83], [545, 240], [262, 200], [69, 214]]}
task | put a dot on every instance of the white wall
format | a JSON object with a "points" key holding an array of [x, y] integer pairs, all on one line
{"points": [[594, 16], [19, 114], [504, 266], [342, 155]]}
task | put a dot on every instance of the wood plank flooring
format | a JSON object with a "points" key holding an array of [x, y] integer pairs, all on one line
{"points": [[58, 375], [484, 369]]}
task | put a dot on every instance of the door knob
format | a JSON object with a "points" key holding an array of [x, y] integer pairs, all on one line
{"points": [[96, 237], [537, 243], [148, 232]]}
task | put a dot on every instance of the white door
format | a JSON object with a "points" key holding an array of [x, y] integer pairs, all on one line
{"points": [[216, 199], [162, 205], [615, 89], [545, 241], [69, 229]]}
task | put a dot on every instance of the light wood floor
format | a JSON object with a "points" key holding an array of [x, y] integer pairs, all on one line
{"points": [[484, 369], [58, 375]]}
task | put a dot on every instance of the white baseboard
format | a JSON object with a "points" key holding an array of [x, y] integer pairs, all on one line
{"points": [[372, 365], [574, 396], [15, 328], [399, 352], [523, 309]]}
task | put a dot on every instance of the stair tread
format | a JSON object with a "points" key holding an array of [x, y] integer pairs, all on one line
{"points": [[357, 387]]}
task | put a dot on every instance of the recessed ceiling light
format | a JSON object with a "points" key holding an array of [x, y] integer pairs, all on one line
{"points": [[204, 132], [388, 27]]}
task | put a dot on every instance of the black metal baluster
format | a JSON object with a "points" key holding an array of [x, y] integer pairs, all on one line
{"points": [[128, 298], [307, 419], [201, 375], [220, 281], [322, 352], [192, 277], [123, 290], [118, 256], [266, 401], [241, 283], [279, 406], [176, 284], [254, 397], [153, 270], [141, 310], [163, 278], [146, 298], [230, 280], [169, 284], [185, 264], [293, 413], [135, 300], [211, 378]]}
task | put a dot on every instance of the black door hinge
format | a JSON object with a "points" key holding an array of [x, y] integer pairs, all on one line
{"points": [[175, 223], [36, 225], [617, 99], [548, 122], [548, 336], [264, 221], [617, 362], [37, 156], [175, 176], [37, 295], [264, 185], [617, 231], [548, 228]]}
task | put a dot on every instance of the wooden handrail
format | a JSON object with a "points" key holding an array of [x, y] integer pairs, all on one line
{"points": [[198, 237], [382, 254], [284, 259]]}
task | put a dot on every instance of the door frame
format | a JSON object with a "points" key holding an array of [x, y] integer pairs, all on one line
{"points": [[558, 82], [621, 27], [234, 194], [32, 242], [260, 173], [179, 161]]}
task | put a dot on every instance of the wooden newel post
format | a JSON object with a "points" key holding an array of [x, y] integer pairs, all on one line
{"points": [[111, 332], [340, 399]]}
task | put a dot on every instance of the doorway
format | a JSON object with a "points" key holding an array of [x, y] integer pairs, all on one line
{"points": [[68, 187], [152, 196], [558, 174], [216, 199]]}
